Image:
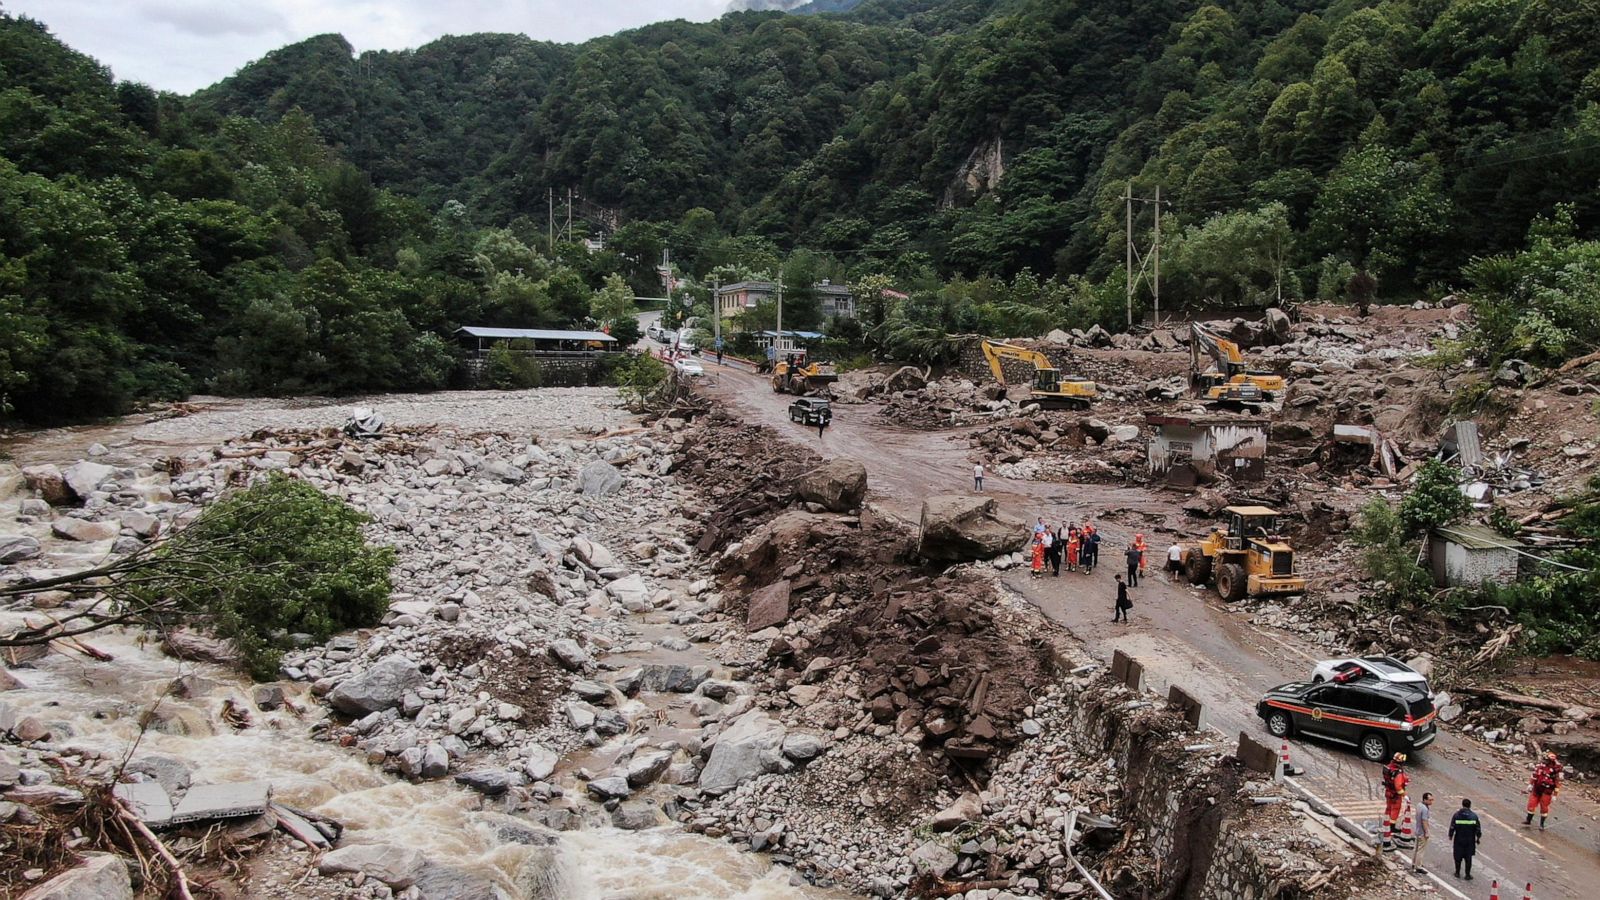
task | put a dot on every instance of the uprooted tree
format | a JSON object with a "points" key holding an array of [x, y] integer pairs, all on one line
{"points": [[277, 559]]}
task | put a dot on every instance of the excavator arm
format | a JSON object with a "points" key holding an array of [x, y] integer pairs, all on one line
{"points": [[994, 352], [1223, 352]]}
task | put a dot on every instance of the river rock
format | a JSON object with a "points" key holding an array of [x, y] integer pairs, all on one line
{"points": [[435, 761], [441, 882], [645, 768], [16, 548], [539, 762], [169, 771], [569, 655], [631, 592], [410, 760], [956, 528], [768, 606], [748, 748], [633, 816], [933, 859], [102, 876], [967, 808], [395, 866], [839, 485], [801, 747], [611, 787], [83, 530], [141, 523], [50, 485], [599, 479], [489, 782], [378, 688], [84, 478], [665, 679], [1279, 328], [501, 470]]}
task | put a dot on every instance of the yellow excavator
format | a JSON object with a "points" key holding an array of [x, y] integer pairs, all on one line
{"points": [[1244, 557], [1049, 389], [795, 374], [1229, 385]]}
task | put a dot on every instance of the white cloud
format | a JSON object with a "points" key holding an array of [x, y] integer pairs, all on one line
{"points": [[184, 45]]}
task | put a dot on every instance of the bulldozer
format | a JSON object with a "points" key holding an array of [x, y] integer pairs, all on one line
{"points": [[795, 374], [1244, 557], [1049, 389], [1229, 385]]}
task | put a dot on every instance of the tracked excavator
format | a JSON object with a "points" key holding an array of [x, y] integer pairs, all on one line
{"points": [[795, 374], [1049, 389], [1229, 384]]}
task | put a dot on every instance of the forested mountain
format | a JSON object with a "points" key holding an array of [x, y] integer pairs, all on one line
{"points": [[974, 153]]}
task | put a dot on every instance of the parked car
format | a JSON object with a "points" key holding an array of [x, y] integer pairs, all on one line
{"points": [[689, 368], [1355, 668], [1376, 717], [810, 411]]}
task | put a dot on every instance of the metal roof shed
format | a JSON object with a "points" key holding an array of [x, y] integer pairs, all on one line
{"points": [[1464, 555]]}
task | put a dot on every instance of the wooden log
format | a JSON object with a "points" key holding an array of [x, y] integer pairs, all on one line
{"points": [[182, 879], [1514, 699]]}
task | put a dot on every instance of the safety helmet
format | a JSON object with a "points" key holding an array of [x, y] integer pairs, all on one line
{"points": [[1550, 755], [1399, 757]]}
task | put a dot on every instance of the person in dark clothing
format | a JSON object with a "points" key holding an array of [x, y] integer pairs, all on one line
{"points": [[1054, 551], [1123, 603], [1467, 832], [1134, 555], [1091, 548], [822, 425]]}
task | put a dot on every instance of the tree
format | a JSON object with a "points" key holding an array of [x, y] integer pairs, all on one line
{"points": [[1434, 501], [613, 302], [1240, 257]]}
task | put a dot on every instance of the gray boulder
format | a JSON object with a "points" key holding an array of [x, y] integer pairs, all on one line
{"points": [[611, 787], [631, 592], [839, 485], [489, 782], [49, 484], [569, 655], [956, 528], [501, 470], [103, 876], [395, 866], [378, 688], [906, 378], [645, 768], [801, 747], [1278, 330], [633, 816], [672, 679], [16, 548], [747, 749], [599, 479], [440, 882], [84, 530], [435, 761], [84, 478]]}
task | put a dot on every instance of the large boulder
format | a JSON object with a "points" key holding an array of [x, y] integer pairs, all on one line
{"points": [[599, 479], [50, 485], [437, 881], [84, 478], [84, 530], [103, 876], [378, 688], [16, 548], [750, 747], [906, 378], [395, 866], [839, 485], [1278, 327], [956, 528]]}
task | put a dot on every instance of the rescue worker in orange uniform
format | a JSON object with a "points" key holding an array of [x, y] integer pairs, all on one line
{"points": [[1395, 780], [1139, 545], [1543, 787], [1074, 548]]}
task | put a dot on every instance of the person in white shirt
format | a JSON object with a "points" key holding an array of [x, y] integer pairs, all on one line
{"points": [[977, 477], [1174, 561]]}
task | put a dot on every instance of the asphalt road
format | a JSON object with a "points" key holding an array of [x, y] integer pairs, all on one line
{"points": [[1186, 636]]}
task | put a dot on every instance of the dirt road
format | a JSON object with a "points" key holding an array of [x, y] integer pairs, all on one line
{"points": [[1187, 637]]}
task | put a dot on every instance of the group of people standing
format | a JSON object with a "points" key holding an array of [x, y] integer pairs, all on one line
{"points": [[1466, 829], [1076, 546]]}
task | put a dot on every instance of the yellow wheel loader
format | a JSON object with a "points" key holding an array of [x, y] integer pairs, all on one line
{"points": [[794, 374], [1229, 385], [1243, 557], [1049, 389]]}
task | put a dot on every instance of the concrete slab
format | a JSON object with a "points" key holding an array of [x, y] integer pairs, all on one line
{"points": [[148, 800], [222, 801]]}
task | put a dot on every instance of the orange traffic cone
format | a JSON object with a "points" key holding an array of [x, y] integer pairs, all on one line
{"points": [[1494, 890], [1406, 836], [1284, 764], [1527, 892], [1388, 834]]}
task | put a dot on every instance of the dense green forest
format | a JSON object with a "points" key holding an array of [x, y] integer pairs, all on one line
{"points": [[322, 219]]}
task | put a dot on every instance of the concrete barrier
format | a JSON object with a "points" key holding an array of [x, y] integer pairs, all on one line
{"points": [[1188, 705], [1257, 757]]}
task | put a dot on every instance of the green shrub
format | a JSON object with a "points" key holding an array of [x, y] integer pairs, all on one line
{"points": [[1390, 556], [1557, 607], [507, 369], [1435, 500], [275, 559], [639, 377]]}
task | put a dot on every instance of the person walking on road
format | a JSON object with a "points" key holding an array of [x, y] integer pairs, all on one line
{"points": [[977, 477], [1424, 832], [1133, 556], [1395, 780], [1174, 562], [1141, 546], [1467, 833], [822, 425], [1543, 788], [719, 356], [1123, 603]]}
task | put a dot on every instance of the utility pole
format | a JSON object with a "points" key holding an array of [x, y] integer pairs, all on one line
{"points": [[1134, 253], [716, 314], [778, 338], [550, 220], [569, 213]]}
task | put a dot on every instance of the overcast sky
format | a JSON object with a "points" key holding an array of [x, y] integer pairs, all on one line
{"points": [[183, 45]]}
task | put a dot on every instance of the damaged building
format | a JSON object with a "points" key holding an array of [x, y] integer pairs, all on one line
{"points": [[1188, 450]]}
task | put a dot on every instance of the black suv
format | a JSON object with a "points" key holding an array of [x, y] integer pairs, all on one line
{"points": [[810, 411], [1376, 717]]}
